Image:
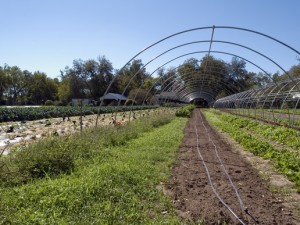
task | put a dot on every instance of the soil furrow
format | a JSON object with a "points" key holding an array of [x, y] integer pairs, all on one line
{"points": [[193, 196]]}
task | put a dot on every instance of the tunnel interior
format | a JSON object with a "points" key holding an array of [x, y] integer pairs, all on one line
{"points": [[210, 79], [199, 102]]}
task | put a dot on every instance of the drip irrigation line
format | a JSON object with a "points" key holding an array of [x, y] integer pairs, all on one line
{"points": [[242, 206], [211, 184], [222, 165]]}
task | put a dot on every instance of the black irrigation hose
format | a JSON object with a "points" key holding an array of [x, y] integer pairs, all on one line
{"points": [[242, 206]]}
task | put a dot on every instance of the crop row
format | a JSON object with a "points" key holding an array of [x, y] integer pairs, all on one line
{"points": [[284, 135], [286, 161], [291, 111], [285, 117], [35, 113], [185, 111]]}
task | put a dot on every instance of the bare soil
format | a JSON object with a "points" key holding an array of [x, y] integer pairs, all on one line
{"points": [[192, 193]]}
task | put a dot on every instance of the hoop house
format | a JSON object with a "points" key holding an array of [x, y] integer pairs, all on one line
{"points": [[213, 85]]}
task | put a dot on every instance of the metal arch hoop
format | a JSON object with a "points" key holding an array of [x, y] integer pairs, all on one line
{"points": [[196, 29], [160, 78]]}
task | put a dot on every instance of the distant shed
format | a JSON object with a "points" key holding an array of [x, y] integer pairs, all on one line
{"points": [[113, 98], [165, 97]]}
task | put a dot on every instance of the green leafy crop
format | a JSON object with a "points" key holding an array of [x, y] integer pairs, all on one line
{"points": [[286, 161], [185, 111]]}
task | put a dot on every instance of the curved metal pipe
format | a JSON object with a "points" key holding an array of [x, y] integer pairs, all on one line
{"points": [[195, 29]]}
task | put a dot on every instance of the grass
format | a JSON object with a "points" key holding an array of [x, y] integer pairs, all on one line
{"points": [[116, 185], [57, 155]]}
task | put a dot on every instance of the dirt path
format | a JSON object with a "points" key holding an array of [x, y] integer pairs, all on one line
{"points": [[191, 190]]}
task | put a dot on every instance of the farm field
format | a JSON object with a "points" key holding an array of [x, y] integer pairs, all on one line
{"points": [[135, 174], [199, 179], [112, 180], [281, 117], [25, 132], [29, 113], [112, 115], [278, 144]]}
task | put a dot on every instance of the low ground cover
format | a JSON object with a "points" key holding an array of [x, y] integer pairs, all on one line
{"points": [[112, 180]]}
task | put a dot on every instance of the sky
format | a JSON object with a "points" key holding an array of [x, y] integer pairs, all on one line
{"points": [[48, 35]]}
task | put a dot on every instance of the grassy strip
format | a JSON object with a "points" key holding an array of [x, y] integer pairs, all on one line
{"points": [[56, 155], [286, 162], [118, 186]]}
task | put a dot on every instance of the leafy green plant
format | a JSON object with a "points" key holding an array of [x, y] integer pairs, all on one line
{"points": [[285, 161], [49, 102], [185, 111]]}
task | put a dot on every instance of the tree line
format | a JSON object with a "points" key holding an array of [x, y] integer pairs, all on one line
{"points": [[84, 79], [90, 79]]}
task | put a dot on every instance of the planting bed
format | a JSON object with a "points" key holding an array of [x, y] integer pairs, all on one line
{"points": [[286, 118], [26, 132], [192, 192]]}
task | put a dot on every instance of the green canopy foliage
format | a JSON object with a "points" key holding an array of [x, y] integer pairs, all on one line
{"points": [[92, 77]]}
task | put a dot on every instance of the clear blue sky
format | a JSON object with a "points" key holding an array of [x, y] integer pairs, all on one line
{"points": [[48, 35]]}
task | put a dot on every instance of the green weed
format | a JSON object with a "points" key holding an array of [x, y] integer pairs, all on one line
{"points": [[115, 186], [185, 111], [57, 155]]}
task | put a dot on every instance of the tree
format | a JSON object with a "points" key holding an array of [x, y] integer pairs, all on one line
{"points": [[4, 82], [41, 88], [208, 75], [237, 69], [188, 69], [64, 92], [248, 80], [131, 77], [16, 83], [295, 71], [167, 78], [151, 84], [261, 80], [76, 79], [87, 79], [101, 74], [138, 95]]}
